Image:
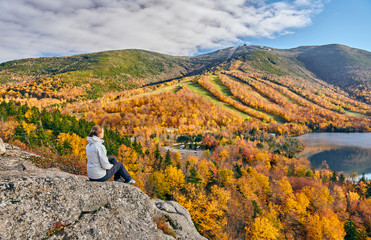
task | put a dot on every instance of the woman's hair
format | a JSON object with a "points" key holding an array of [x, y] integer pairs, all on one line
{"points": [[95, 131]]}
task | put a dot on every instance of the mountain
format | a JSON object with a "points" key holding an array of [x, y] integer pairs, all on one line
{"points": [[274, 86], [339, 65], [96, 73], [103, 71], [226, 116]]}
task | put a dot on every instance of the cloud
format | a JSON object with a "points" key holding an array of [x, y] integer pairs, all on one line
{"points": [[178, 27]]}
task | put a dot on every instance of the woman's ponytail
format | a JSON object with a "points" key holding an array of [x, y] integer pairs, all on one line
{"points": [[95, 131]]}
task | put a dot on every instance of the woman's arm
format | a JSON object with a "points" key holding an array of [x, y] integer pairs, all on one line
{"points": [[103, 157]]}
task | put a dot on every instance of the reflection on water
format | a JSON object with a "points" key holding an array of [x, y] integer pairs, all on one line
{"points": [[347, 152], [345, 159]]}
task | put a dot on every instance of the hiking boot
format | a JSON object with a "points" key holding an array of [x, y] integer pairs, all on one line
{"points": [[131, 181]]}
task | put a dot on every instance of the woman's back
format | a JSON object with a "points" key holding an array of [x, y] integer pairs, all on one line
{"points": [[96, 155], [99, 166]]}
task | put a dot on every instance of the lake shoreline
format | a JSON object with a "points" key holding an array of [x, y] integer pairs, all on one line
{"points": [[343, 152]]}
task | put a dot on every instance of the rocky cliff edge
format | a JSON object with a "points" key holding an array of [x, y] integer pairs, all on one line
{"points": [[50, 204]]}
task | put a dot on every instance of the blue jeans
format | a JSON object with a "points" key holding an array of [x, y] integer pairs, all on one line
{"points": [[118, 170]]}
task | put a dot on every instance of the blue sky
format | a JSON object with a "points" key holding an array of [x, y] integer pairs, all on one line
{"points": [[341, 21], [178, 27]]}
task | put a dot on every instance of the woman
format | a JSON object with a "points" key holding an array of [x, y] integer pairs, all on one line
{"points": [[99, 167]]}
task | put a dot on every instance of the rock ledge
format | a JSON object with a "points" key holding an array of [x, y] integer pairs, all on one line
{"points": [[51, 204]]}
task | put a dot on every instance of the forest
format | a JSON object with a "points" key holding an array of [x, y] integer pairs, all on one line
{"points": [[246, 183]]}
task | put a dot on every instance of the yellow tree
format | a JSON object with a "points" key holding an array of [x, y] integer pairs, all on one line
{"points": [[223, 155], [129, 158], [261, 229], [29, 127], [203, 171], [174, 179], [7, 129], [324, 226], [77, 144], [298, 203], [208, 212]]}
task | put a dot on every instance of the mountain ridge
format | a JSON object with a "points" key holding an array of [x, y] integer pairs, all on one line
{"points": [[340, 65], [114, 73]]}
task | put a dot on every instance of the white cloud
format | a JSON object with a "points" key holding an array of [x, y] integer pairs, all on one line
{"points": [[179, 27]]}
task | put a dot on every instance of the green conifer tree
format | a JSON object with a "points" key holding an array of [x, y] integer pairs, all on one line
{"points": [[168, 161], [193, 176]]}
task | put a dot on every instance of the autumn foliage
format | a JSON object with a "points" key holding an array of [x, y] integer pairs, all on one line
{"points": [[244, 182]]}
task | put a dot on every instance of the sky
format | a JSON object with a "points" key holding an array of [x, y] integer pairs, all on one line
{"points": [[36, 28]]}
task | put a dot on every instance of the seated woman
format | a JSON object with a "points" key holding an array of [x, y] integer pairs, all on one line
{"points": [[99, 167]]}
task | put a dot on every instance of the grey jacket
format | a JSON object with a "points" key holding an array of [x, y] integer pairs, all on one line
{"points": [[96, 154]]}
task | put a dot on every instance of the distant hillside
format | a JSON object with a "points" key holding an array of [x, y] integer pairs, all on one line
{"points": [[101, 72], [342, 66], [128, 63], [94, 74], [339, 65]]}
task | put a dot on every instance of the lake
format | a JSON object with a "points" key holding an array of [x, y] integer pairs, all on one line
{"points": [[343, 152]]}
